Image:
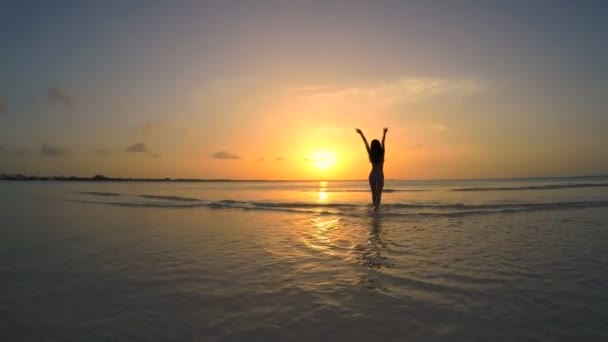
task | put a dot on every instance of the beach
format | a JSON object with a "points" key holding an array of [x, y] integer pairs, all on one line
{"points": [[304, 260]]}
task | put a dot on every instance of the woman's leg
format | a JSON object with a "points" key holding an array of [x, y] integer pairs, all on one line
{"points": [[379, 187], [372, 185]]}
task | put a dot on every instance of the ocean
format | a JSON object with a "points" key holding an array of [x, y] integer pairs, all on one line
{"points": [[454, 260]]}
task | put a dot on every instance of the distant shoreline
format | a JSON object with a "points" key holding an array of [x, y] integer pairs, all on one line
{"points": [[101, 178]]}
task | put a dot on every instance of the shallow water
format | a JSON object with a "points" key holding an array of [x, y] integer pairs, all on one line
{"points": [[518, 259]]}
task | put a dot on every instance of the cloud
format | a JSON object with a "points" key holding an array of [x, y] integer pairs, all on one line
{"points": [[225, 155], [59, 96], [155, 155], [439, 127], [261, 159], [279, 159], [102, 152], [23, 152], [52, 151], [3, 105], [137, 148], [403, 89], [415, 146]]}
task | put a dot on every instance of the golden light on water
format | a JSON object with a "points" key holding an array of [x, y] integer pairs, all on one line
{"points": [[322, 196], [323, 235], [322, 192]]}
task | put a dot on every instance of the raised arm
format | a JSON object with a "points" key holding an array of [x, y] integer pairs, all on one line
{"points": [[364, 140], [384, 136]]}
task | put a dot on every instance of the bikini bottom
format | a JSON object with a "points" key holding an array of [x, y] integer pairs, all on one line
{"points": [[376, 176]]}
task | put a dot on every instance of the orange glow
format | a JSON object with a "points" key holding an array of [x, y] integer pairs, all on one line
{"points": [[323, 159]]}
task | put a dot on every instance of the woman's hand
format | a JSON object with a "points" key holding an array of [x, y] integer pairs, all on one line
{"points": [[385, 130], [358, 131]]}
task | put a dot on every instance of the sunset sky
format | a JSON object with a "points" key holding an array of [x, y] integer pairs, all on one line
{"points": [[275, 89]]}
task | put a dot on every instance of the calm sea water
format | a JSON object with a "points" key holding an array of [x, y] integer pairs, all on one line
{"points": [[304, 261]]}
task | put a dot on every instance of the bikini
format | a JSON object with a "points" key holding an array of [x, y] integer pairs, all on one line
{"points": [[377, 175]]}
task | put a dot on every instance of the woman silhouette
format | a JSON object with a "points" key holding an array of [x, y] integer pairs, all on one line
{"points": [[376, 176]]}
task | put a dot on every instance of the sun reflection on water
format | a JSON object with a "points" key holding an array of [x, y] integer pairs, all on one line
{"points": [[322, 192], [323, 235], [322, 196]]}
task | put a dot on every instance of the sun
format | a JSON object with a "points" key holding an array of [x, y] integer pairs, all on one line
{"points": [[322, 159]]}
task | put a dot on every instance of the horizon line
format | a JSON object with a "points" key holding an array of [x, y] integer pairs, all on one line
{"points": [[25, 177]]}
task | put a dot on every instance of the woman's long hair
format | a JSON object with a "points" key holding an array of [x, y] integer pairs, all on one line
{"points": [[376, 153]]}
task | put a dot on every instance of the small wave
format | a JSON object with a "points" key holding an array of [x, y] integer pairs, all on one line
{"points": [[354, 209], [367, 190], [492, 206], [289, 204], [248, 206], [141, 204], [401, 209], [171, 198], [154, 197], [364, 190], [534, 187], [96, 193], [465, 210], [293, 205], [156, 205]]}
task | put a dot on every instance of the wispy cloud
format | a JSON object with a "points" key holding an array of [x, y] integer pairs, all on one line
{"points": [[261, 159], [155, 155], [102, 152], [53, 151], [403, 89], [280, 159], [415, 146], [137, 148], [225, 155], [382, 92], [59, 96]]}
